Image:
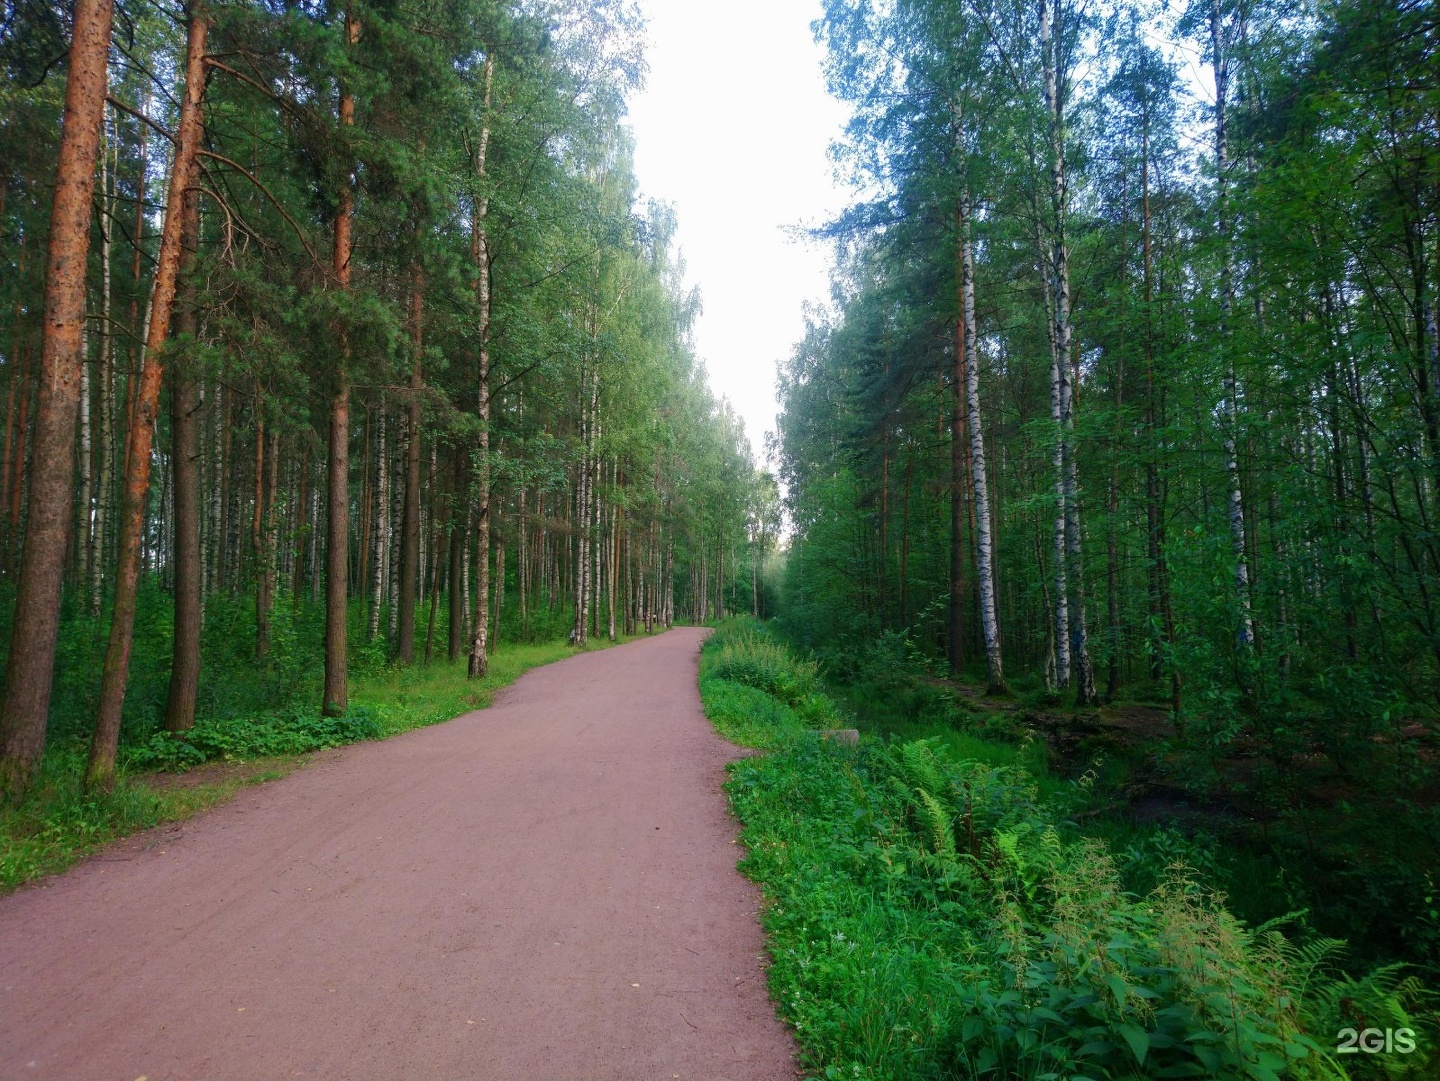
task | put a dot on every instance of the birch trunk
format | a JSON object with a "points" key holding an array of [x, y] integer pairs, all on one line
{"points": [[984, 544], [410, 527], [1245, 634], [81, 533], [480, 254], [1063, 387], [379, 547], [105, 433]]}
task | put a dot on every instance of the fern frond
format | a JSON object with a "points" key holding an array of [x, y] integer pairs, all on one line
{"points": [[937, 822]]}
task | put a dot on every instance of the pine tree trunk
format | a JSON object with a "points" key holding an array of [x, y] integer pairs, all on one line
{"points": [[265, 586], [336, 698], [28, 674], [185, 461], [100, 770]]}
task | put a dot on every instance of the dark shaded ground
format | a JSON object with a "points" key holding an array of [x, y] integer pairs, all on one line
{"points": [[542, 890]]}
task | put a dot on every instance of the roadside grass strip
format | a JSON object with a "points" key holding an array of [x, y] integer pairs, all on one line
{"points": [[932, 917]]}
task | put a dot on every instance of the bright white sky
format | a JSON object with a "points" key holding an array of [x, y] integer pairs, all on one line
{"points": [[732, 128]]}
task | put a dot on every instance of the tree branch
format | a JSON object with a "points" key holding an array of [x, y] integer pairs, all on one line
{"points": [[266, 192]]}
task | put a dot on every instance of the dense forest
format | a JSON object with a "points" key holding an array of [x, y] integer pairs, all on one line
{"points": [[1127, 405], [334, 333]]}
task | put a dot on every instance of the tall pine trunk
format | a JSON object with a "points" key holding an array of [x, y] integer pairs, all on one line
{"points": [[28, 673], [185, 462], [100, 770], [336, 699]]}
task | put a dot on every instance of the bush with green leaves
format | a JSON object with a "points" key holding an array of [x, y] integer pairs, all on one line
{"points": [[749, 678], [294, 730]]}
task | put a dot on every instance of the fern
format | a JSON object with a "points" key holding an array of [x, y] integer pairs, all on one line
{"points": [[920, 766], [936, 817]]}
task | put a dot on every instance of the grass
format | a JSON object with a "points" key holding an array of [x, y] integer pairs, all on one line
{"points": [[58, 824], [931, 913]]}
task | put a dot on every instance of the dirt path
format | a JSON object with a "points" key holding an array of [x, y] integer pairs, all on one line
{"points": [[542, 890]]}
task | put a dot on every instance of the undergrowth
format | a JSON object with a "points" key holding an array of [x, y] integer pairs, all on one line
{"points": [[936, 917]]}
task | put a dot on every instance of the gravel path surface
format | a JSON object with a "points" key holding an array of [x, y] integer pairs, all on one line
{"points": [[542, 890]]}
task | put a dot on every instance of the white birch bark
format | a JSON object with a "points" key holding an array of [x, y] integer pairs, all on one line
{"points": [[379, 552], [1235, 501], [1062, 388], [480, 252], [985, 552]]}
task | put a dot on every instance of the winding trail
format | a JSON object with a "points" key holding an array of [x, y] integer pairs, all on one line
{"points": [[542, 890]]}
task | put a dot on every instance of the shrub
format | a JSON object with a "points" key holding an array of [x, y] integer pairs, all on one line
{"points": [[278, 732], [928, 918]]}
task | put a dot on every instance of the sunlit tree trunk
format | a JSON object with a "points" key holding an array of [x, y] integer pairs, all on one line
{"points": [[100, 770], [28, 672]]}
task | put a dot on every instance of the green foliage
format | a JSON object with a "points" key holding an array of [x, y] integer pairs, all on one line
{"points": [[280, 732], [750, 680], [58, 823], [932, 917]]}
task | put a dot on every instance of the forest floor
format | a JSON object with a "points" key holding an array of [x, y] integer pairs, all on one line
{"points": [[545, 889]]}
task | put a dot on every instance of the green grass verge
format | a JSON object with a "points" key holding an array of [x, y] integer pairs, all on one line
{"points": [[58, 824], [935, 916]]}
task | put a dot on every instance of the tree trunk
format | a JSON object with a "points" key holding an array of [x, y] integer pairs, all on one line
{"points": [[257, 534], [984, 544], [380, 519], [185, 461], [336, 699], [410, 529], [1062, 382], [100, 770], [105, 436], [29, 671], [480, 255], [1245, 634]]}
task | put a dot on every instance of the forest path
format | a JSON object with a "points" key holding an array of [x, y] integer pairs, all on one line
{"points": [[545, 889]]}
